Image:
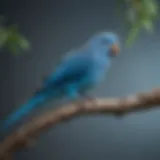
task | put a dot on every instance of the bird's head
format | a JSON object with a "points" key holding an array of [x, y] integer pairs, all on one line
{"points": [[105, 42]]}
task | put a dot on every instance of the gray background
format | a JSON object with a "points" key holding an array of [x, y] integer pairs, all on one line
{"points": [[53, 28]]}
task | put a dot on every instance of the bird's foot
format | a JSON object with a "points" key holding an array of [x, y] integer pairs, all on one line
{"points": [[90, 100], [82, 104]]}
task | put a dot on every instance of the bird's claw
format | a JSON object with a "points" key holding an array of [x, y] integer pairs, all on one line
{"points": [[81, 104]]}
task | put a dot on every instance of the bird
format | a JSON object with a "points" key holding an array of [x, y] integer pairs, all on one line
{"points": [[77, 73]]}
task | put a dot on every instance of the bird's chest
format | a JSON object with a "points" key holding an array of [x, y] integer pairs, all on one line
{"points": [[100, 64], [99, 67]]}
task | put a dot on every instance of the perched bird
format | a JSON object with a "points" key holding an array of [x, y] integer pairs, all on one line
{"points": [[79, 72]]}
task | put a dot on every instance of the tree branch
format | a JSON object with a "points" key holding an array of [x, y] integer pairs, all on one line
{"points": [[23, 137]]}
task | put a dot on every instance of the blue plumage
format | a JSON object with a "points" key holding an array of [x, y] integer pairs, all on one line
{"points": [[77, 74]]}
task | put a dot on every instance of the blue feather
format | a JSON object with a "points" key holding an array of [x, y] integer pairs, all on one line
{"points": [[23, 110]]}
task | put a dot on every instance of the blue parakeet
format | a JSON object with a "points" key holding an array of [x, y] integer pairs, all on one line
{"points": [[79, 72]]}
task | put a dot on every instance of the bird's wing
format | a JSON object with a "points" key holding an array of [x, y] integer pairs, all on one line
{"points": [[72, 69]]}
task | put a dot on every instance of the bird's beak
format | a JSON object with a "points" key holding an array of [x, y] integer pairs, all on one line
{"points": [[115, 49]]}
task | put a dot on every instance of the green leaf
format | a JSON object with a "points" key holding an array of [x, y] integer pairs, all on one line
{"points": [[15, 41], [132, 34], [148, 25], [13, 48], [11, 38], [150, 6], [23, 43], [140, 14], [131, 16]]}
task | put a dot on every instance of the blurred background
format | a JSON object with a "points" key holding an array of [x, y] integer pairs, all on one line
{"points": [[53, 28]]}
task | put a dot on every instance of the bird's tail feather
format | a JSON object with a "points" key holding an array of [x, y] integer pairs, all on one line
{"points": [[32, 103]]}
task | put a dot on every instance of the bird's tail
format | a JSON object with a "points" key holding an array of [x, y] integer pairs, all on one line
{"points": [[32, 103]]}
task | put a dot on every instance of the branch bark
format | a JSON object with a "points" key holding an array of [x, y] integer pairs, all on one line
{"points": [[24, 136]]}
